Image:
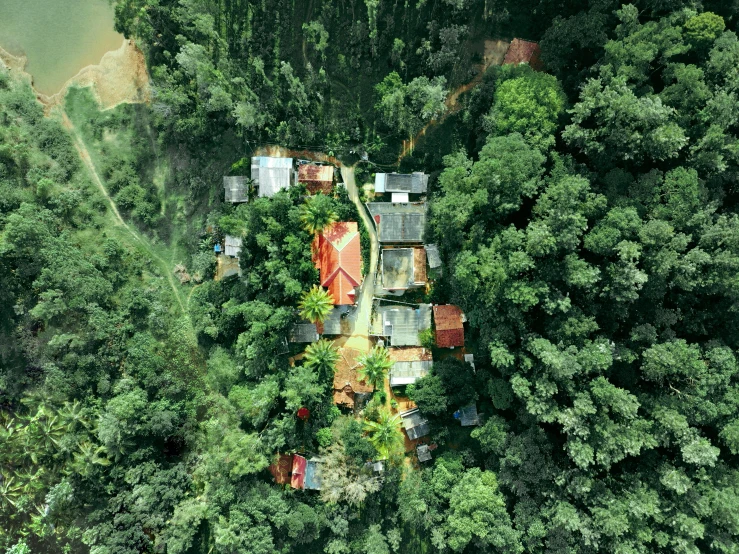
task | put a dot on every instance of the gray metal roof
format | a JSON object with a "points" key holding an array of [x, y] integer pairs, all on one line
{"points": [[233, 246], [468, 416], [415, 424], [432, 255], [304, 332], [405, 373], [399, 223], [423, 452], [403, 323], [236, 188], [414, 183], [271, 175]]}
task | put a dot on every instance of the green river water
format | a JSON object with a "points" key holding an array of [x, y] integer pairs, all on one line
{"points": [[59, 37]]}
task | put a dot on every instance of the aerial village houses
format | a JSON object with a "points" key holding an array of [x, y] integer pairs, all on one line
{"points": [[316, 178], [268, 176], [449, 323], [295, 470], [337, 256], [232, 246]]}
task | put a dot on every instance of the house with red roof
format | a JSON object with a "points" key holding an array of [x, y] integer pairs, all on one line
{"points": [[338, 257], [316, 178], [524, 51], [449, 323]]}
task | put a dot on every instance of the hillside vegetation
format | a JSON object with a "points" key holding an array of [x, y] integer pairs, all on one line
{"points": [[587, 217]]}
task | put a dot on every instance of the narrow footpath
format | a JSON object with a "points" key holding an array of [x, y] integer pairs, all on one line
{"points": [[360, 337]]}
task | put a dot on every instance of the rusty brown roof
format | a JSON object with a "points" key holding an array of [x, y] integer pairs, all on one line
{"points": [[449, 326], [317, 178], [524, 51], [419, 265]]}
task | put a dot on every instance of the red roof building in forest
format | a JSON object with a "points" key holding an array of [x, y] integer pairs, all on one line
{"points": [[282, 468], [524, 51], [316, 178], [297, 480], [449, 323], [338, 257]]}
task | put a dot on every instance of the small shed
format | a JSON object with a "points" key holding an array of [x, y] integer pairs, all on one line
{"points": [[233, 246], [449, 322], [303, 333], [524, 51], [316, 178], [470, 359], [432, 255], [236, 189], [468, 416], [423, 452], [416, 426], [399, 197], [377, 467]]}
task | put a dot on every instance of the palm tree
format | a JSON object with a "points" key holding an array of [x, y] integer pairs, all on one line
{"points": [[322, 357], [317, 213], [316, 304], [384, 434], [375, 365]]}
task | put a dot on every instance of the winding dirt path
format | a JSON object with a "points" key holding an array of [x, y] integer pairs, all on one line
{"points": [[84, 155]]}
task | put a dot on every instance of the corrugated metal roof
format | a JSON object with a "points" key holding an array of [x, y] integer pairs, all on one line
{"points": [[405, 373], [415, 424], [399, 222], [236, 189], [403, 323], [398, 269], [449, 326], [317, 178], [423, 452], [304, 332], [312, 478], [271, 175], [468, 416], [297, 481], [414, 183], [432, 254], [233, 246]]}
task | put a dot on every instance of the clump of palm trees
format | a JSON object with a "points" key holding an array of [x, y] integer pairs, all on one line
{"points": [[374, 366], [321, 356], [317, 213], [316, 304], [384, 433]]}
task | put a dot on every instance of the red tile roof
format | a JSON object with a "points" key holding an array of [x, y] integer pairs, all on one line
{"points": [[338, 257], [524, 51], [449, 326], [317, 178]]}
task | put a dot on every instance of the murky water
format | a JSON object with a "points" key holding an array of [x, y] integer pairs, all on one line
{"points": [[59, 37]]}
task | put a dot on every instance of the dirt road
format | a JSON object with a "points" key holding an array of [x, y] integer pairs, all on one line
{"points": [[360, 337]]}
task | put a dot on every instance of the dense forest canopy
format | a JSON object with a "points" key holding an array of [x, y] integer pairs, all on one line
{"points": [[587, 218]]}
